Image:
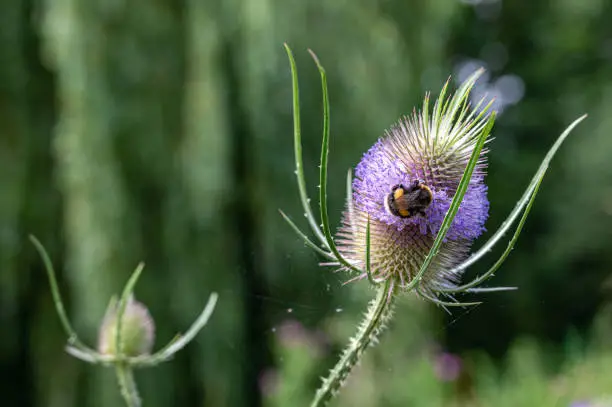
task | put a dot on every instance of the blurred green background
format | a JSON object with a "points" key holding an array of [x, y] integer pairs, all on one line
{"points": [[161, 131]]}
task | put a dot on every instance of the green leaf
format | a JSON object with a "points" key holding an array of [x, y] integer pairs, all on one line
{"points": [[445, 303]]}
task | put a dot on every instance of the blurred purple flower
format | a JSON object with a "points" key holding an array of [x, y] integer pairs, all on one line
{"points": [[600, 402], [447, 367], [268, 382], [292, 333]]}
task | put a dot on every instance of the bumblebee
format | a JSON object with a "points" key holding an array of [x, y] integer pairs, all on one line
{"points": [[408, 201]]}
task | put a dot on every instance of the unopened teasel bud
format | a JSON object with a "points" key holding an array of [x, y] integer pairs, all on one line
{"points": [[137, 330]]}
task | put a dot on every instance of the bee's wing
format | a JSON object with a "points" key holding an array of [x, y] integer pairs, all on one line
{"points": [[407, 201]]}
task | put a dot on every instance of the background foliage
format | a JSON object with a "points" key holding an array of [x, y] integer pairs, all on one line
{"points": [[161, 131]]}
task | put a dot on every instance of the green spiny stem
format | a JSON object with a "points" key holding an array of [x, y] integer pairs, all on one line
{"points": [[379, 312], [127, 384]]}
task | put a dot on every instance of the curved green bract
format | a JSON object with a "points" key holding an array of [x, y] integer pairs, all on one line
{"points": [[73, 338], [305, 238], [297, 147], [323, 172], [502, 258], [180, 341], [526, 200], [123, 300], [323, 235], [367, 258], [456, 202]]}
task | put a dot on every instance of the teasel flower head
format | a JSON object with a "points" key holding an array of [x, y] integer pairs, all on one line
{"points": [[416, 205], [404, 186], [418, 199]]}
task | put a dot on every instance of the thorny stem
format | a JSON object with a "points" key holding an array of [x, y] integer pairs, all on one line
{"points": [[127, 384], [378, 313]]}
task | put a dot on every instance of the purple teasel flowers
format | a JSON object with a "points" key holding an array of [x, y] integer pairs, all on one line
{"points": [[416, 205], [428, 154]]}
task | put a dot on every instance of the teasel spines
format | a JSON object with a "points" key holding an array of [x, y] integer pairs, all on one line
{"points": [[429, 148]]}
